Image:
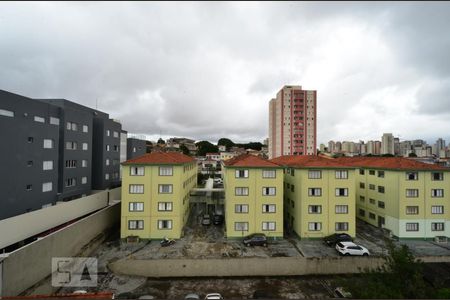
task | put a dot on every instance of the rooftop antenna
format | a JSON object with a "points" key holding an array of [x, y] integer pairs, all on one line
{"points": [[96, 103]]}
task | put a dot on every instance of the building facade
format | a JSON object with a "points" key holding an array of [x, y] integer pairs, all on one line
{"points": [[319, 196], [155, 194], [57, 162], [254, 197], [293, 122], [135, 148], [387, 144]]}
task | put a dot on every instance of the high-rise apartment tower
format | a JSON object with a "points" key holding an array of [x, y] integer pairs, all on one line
{"points": [[293, 122]]}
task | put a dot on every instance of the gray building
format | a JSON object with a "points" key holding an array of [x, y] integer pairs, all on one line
{"points": [[135, 148], [55, 150]]}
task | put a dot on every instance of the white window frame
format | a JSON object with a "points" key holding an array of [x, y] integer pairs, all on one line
{"points": [[135, 224], [71, 182], [341, 209], [47, 165], [412, 210], [244, 173], [84, 163], [314, 174], [163, 187], [338, 192], [441, 176], [83, 180], [437, 193], [337, 226], [165, 206], [137, 171], [241, 191], [412, 193], [437, 209], [85, 146], [48, 144], [269, 208], [54, 121], [268, 226], [136, 206], [438, 226], [315, 209], [269, 174], [39, 119], [240, 226], [269, 191], [165, 171], [47, 187], [162, 223], [314, 192], [136, 189], [85, 128], [6, 113], [314, 226], [241, 208], [412, 227], [341, 174], [412, 176]]}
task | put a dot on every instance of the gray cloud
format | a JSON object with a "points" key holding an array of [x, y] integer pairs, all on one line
{"points": [[208, 70]]}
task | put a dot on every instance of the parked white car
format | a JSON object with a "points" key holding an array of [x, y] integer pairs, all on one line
{"points": [[350, 248], [214, 296]]}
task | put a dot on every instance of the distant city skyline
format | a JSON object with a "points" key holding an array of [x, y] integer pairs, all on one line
{"points": [[207, 70]]}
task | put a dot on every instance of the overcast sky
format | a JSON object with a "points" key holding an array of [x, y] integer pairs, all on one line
{"points": [[208, 70]]}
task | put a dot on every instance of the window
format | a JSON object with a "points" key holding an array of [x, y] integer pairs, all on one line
{"points": [[241, 191], [412, 193], [134, 149], [29, 163], [372, 216], [380, 204], [314, 174], [437, 227], [71, 126], [47, 165], [6, 113], [269, 173], [371, 186], [362, 213], [107, 147], [116, 148], [136, 188], [361, 172], [85, 128], [115, 134], [107, 133], [164, 206], [381, 174], [412, 210], [268, 226], [268, 208], [164, 224], [341, 192], [362, 198], [341, 226], [107, 176], [107, 162], [292, 172], [47, 187], [135, 171], [341, 174], [241, 208], [314, 226], [269, 191], [316, 192], [85, 146], [54, 121], [439, 209], [29, 187], [362, 185], [71, 145], [381, 189], [71, 182], [135, 224], [437, 193], [292, 188], [31, 140], [83, 180], [437, 176], [315, 209], [372, 201], [48, 144], [136, 206], [412, 226], [165, 188], [371, 172], [165, 171], [241, 174], [341, 209], [412, 176], [39, 119], [84, 163], [241, 226]]}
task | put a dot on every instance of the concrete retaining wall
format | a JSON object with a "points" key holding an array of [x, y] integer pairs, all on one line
{"points": [[28, 265], [18, 228]]}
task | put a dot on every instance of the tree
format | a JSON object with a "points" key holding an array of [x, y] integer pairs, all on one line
{"points": [[252, 145], [204, 147], [225, 142], [412, 154], [161, 141], [185, 149], [399, 277]]}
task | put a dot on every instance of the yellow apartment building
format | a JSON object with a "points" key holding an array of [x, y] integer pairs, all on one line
{"points": [[409, 198], [155, 194], [253, 197], [319, 196]]}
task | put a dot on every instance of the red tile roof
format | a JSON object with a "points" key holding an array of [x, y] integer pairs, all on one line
{"points": [[393, 163], [160, 158], [311, 161], [247, 160]]}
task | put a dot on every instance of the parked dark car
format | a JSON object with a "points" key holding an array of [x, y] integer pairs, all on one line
{"points": [[218, 219], [331, 240], [256, 239], [206, 220]]}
